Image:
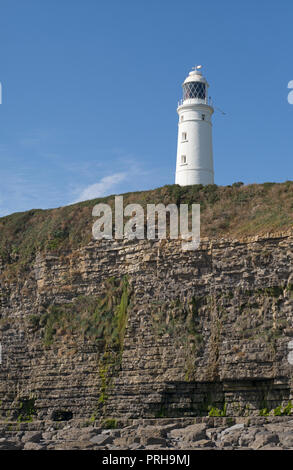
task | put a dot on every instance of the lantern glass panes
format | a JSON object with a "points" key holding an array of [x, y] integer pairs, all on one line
{"points": [[194, 90]]}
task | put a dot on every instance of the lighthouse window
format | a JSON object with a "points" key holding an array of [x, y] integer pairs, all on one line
{"points": [[182, 118], [194, 90], [203, 116], [183, 159], [184, 136]]}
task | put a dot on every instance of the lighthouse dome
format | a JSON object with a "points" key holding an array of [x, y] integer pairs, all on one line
{"points": [[195, 86]]}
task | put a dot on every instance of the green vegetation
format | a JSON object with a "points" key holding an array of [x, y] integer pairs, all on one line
{"points": [[260, 314], [162, 412], [110, 423], [226, 211], [216, 412], [272, 291], [278, 411], [264, 412], [166, 319], [283, 411], [180, 322], [26, 410], [99, 319]]}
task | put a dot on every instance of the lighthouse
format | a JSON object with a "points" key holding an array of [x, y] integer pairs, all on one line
{"points": [[194, 149]]}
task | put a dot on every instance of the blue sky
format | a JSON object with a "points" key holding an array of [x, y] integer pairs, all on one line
{"points": [[90, 90]]}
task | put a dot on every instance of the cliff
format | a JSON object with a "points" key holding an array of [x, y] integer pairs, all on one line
{"points": [[141, 328]]}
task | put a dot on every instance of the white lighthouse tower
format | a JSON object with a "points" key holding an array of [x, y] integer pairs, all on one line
{"points": [[195, 150]]}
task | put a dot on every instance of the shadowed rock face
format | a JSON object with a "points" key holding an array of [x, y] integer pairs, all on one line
{"points": [[187, 334]]}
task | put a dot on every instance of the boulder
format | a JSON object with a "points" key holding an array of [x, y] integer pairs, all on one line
{"points": [[101, 439], [247, 437], [286, 439], [155, 441], [32, 436], [229, 439], [204, 443], [33, 446], [232, 429], [195, 432], [264, 438]]}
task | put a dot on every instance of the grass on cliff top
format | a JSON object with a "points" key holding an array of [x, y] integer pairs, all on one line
{"points": [[226, 211]]}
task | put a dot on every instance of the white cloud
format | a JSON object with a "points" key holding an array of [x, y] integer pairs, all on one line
{"points": [[101, 188]]}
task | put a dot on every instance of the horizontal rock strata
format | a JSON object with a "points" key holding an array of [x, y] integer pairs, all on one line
{"points": [[201, 332]]}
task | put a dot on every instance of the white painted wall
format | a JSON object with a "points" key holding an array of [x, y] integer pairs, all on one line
{"points": [[198, 148]]}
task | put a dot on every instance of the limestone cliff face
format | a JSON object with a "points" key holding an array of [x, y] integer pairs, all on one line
{"points": [[195, 330]]}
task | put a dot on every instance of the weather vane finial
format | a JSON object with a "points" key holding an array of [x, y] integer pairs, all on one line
{"points": [[197, 67]]}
